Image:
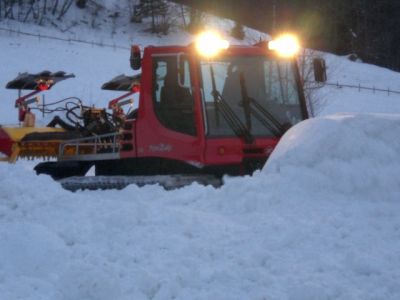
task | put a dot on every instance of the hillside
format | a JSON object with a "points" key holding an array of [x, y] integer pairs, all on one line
{"points": [[319, 221]]}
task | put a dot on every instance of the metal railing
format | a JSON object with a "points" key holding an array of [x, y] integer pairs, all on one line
{"points": [[91, 147], [358, 87]]}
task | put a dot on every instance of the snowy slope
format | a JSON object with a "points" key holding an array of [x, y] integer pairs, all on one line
{"points": [[340, 99], [320, 221]]}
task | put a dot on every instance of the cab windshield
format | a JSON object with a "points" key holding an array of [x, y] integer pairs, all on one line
{"points": [[253, 96]]}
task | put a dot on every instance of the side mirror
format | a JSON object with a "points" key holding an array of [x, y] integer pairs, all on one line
{"points": [[135, 59], [319, 69]]}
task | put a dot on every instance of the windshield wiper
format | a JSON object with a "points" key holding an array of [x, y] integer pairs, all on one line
{"points": [[246, 101], [259, 112], [227, 112]]}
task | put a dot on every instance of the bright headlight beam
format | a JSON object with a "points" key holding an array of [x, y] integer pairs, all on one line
{"points": [[286, 45], [210, 43]]}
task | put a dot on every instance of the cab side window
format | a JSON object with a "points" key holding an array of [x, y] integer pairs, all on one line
{"points": [[172, 95]]}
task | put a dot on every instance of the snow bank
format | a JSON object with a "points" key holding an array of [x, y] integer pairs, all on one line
{"points": [[354, 155], [319, 222]]}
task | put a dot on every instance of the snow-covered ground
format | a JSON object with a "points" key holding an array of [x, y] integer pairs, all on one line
{"points": [[320, 221]]}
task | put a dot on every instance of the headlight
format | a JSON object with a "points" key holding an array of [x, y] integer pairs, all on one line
{"points": [[286, 45], [210, 43]]}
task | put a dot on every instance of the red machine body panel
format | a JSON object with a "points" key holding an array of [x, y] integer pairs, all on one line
{"points": [[5, 143], [152, 137]]}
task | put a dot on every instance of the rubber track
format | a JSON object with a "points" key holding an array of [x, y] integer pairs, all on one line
{"points": [[168, 182]]}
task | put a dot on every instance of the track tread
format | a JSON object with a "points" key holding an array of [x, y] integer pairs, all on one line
{"points": [[168, 182]]}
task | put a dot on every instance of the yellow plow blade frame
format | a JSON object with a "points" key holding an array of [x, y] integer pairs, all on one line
{"points": [[35, 148]]}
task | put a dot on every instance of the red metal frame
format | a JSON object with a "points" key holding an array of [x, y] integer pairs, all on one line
{"points": [[5, 143], [20, 104], [113, 102]]}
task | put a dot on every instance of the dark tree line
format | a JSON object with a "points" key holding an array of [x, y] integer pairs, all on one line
{"points": [[37, 11], [157, 10], [370, 29]]}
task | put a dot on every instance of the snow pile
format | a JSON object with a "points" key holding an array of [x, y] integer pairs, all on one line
{"points": [[319, 222], [354, 155]]}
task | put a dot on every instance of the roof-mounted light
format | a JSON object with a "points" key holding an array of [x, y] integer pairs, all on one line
{"points": [[135, 59], [210, 43], [286, 45]]}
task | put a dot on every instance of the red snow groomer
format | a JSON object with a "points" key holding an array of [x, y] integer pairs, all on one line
{"points": [[205, 110]]}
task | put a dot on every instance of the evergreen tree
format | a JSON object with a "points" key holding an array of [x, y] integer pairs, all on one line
{"points": [[81, 3], [237, 31], [158, 11], [196, 20]]}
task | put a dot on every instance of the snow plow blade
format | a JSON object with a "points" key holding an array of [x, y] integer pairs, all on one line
{"points": [[29, 142]]}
